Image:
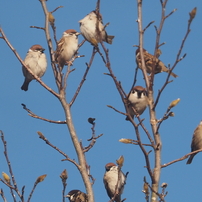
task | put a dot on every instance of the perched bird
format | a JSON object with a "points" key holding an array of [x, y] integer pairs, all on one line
{"points": [[36, 61], [93, 29], [66, 47], [77, 196], [138, 100], [110, 181], [151, 61], [196, 142]]}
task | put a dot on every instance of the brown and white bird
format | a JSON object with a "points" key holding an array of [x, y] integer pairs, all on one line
{"points": [[93, 29], [150, 62], [36, 61], [66, 47], [138, 100], [110, 181], [77, 196], [196, 142]]}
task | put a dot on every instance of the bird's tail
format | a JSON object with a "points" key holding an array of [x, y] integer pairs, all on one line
{"points": [[25, 85], [190, 158], [109, 39]]}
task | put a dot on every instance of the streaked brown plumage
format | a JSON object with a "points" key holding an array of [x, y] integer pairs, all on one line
{"points": [[151, 62], [66, 47], [77, 196], [196, 142]]}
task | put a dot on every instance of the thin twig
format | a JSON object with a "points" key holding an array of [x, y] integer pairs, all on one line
{"points": [[159, 195], [38, 27], [57, 149], [134, 82], [165, 116], [54, 31], [92, 139], [180, 159], [170, 13], [57, 9], [148, 26], [10, 169], [32, 191], [63, 191], [177, 60], [146, 154], [146, 131], [84, 76], [116, 110], [67, 75], [41, 118], [136, 142], [154, 175], [57, 74], [2, 195]]}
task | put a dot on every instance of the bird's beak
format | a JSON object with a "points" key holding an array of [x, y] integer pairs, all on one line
{"points": [[77, 33], [67, 196]]}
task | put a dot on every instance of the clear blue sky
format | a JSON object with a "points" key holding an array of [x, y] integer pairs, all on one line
{"points": [[31, 157]]}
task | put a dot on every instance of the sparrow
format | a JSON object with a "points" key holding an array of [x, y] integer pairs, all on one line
{"points": [[110, 181], [77, 196], [138, 100], [36, 61], [93, 30], [151, 61], [66, 47], [196, 142]]}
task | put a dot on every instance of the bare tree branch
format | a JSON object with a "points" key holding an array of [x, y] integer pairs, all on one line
{"points": [[2, 195], [84, 76], [177, 60], [57, 149], [38, 27], [38, 117], [180, 159], [58, 75], [10, 171], [56, 9], [92, 139], [116, 110]]}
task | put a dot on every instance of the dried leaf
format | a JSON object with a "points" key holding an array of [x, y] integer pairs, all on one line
{"points": [[126, 141], [6, 178], [51, 18], [164, 185], [120, 161], [192, 14], [64, 175], [41, 178], [171, 114], [41, 135], [158, 53], [174, 103], [145, 188]]}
